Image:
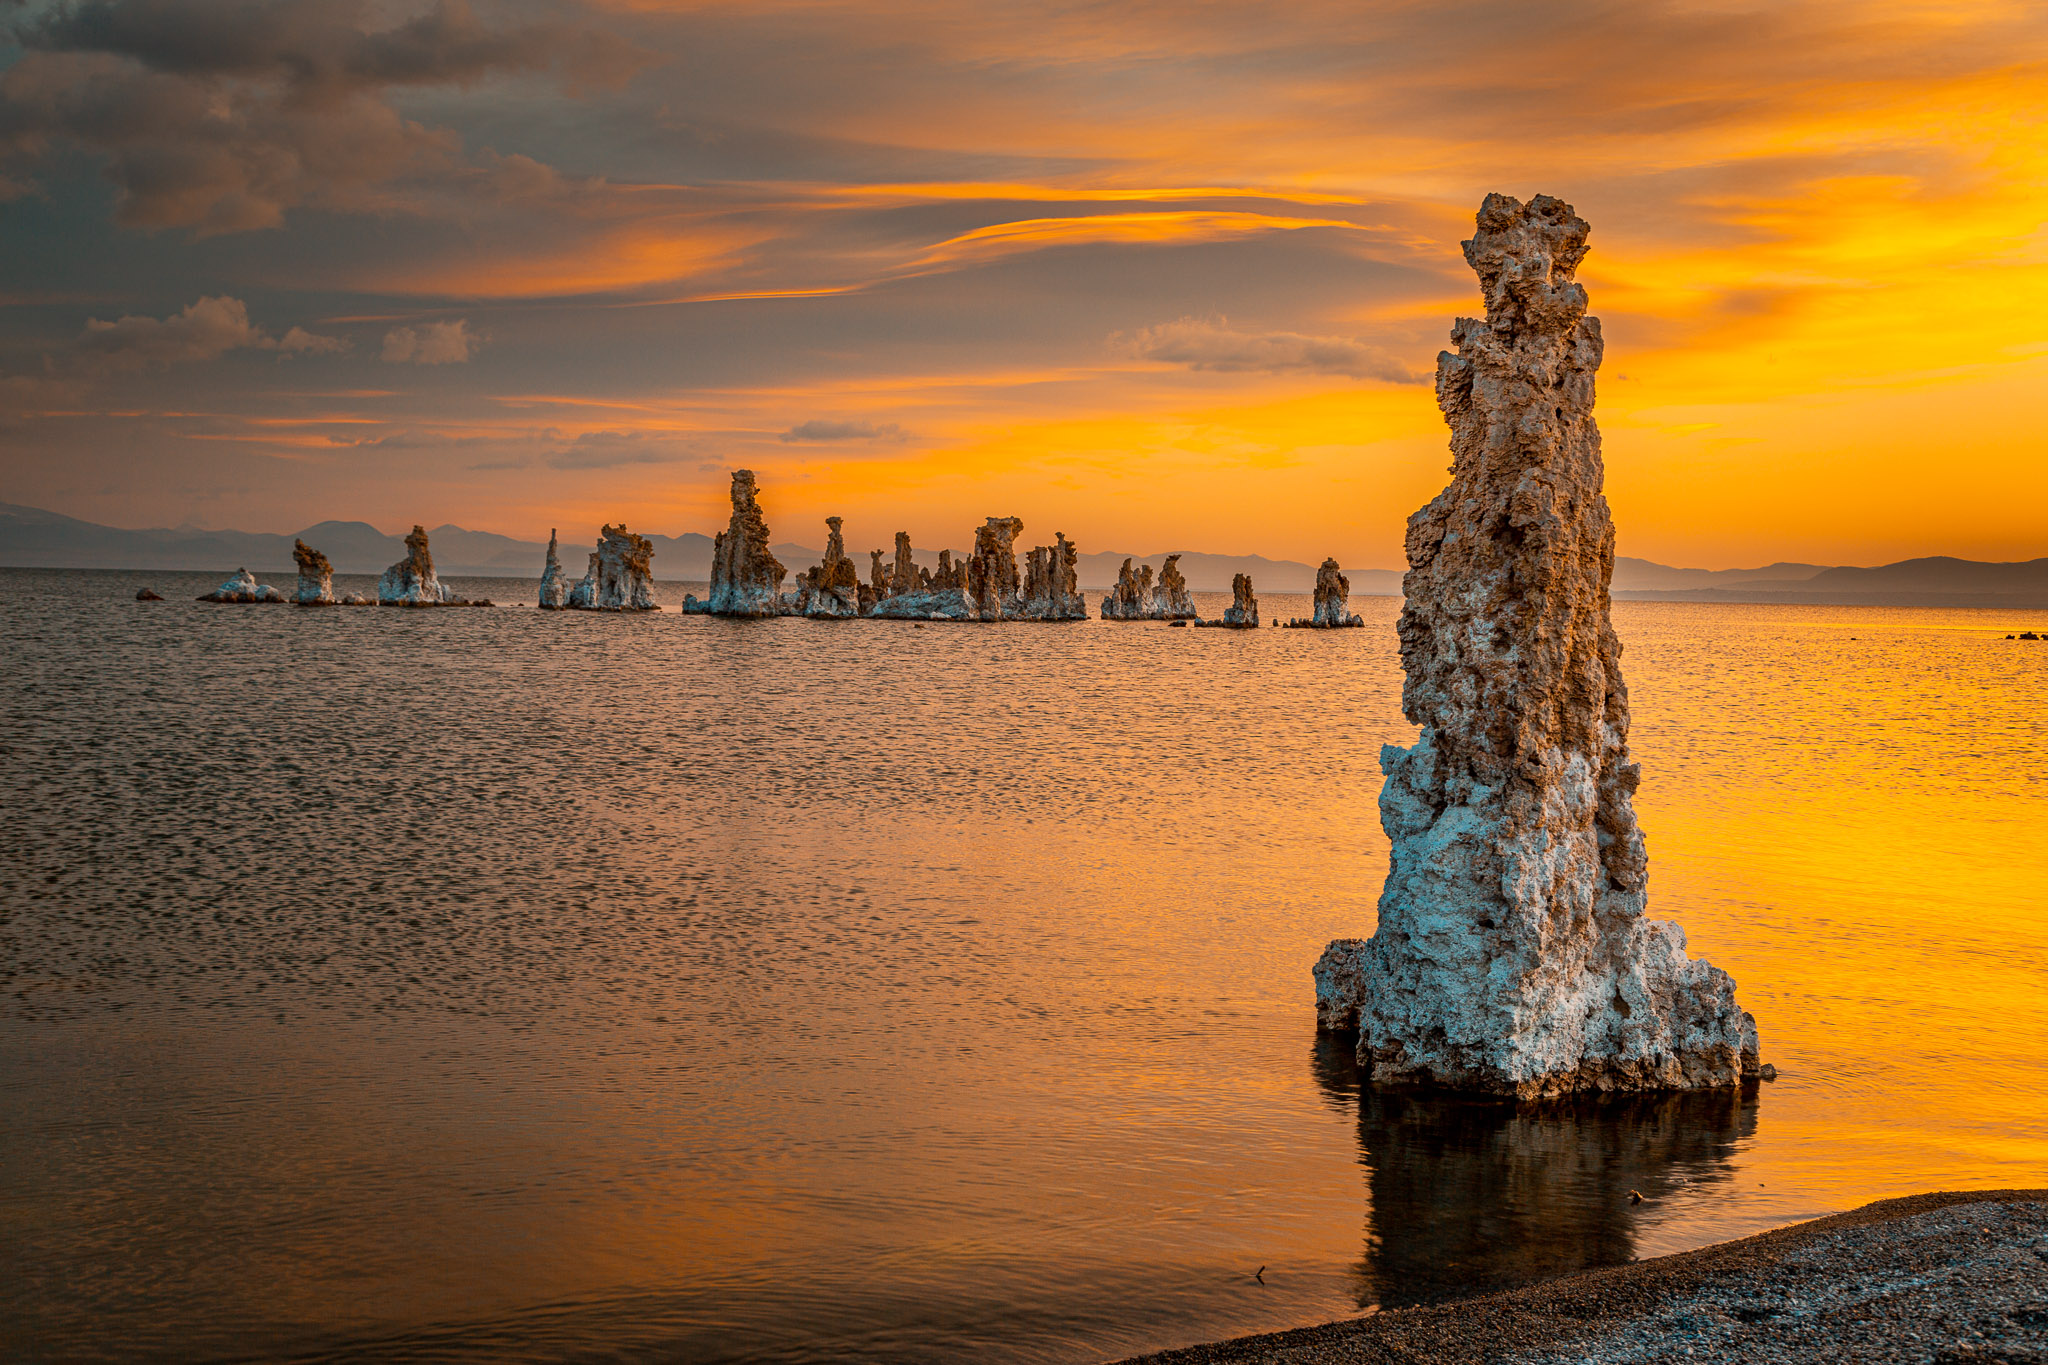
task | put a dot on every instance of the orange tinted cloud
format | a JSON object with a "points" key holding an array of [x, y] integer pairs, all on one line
{"points": [[1011, 235]]}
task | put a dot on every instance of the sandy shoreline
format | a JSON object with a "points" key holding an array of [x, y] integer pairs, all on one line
{"points": [[1953, 1277]]}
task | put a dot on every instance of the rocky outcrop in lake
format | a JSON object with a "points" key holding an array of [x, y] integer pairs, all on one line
{"points": [[411, 581], [917, 594], [1243, 611], [625, 571], [904, 574], [243, 588], [1137, 598], [1131, 598], [554, 580], [1332, 609], [583, 596], [1171, 598], [1052, 590], [1512, 955], [746, 580], [316, 576], [832, 589], [994, 588]]}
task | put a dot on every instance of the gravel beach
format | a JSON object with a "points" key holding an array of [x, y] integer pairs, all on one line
{"points": [[1948, 1278]]}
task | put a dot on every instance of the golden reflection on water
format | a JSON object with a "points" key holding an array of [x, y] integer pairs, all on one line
{"points": [[681, 988]]}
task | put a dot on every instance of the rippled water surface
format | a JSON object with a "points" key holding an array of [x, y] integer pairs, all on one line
{"points": [[502, 984]]}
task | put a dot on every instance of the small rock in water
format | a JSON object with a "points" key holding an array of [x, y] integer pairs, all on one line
{"points": [[145, 595]]}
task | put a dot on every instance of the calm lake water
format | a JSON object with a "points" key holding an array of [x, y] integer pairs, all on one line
{"points": [[498, 984]]}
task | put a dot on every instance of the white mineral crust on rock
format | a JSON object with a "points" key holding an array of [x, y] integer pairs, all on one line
{"points": [[746, 580], [583, 597], [316, 577], [624, 565], [554, 580], [1512, 954], [832, 589], [243, 587], [411, 581], [1052, 589]]}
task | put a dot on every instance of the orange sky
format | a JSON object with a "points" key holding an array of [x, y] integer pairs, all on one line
{"points": [[1157, 276]]}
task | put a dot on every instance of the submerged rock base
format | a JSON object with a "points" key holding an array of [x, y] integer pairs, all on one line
{"points": [[1512, 954]]}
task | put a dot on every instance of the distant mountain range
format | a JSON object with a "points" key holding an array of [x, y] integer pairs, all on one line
{"points": [[32, 538]]}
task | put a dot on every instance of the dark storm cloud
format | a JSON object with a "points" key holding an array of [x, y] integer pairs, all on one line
{"points": [[325, 49], [221, 116]]}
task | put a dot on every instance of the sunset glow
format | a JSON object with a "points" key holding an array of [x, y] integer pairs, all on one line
{"points": [[1158, 280]]}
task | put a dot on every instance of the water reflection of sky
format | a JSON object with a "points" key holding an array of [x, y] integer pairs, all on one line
{"points": [[485, 984]]}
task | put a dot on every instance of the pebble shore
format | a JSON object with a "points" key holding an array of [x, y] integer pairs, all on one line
{"points": [[1956, 1278]]}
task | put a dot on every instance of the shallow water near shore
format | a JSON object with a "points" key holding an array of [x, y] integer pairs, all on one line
{"points": [[519, 985]]}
